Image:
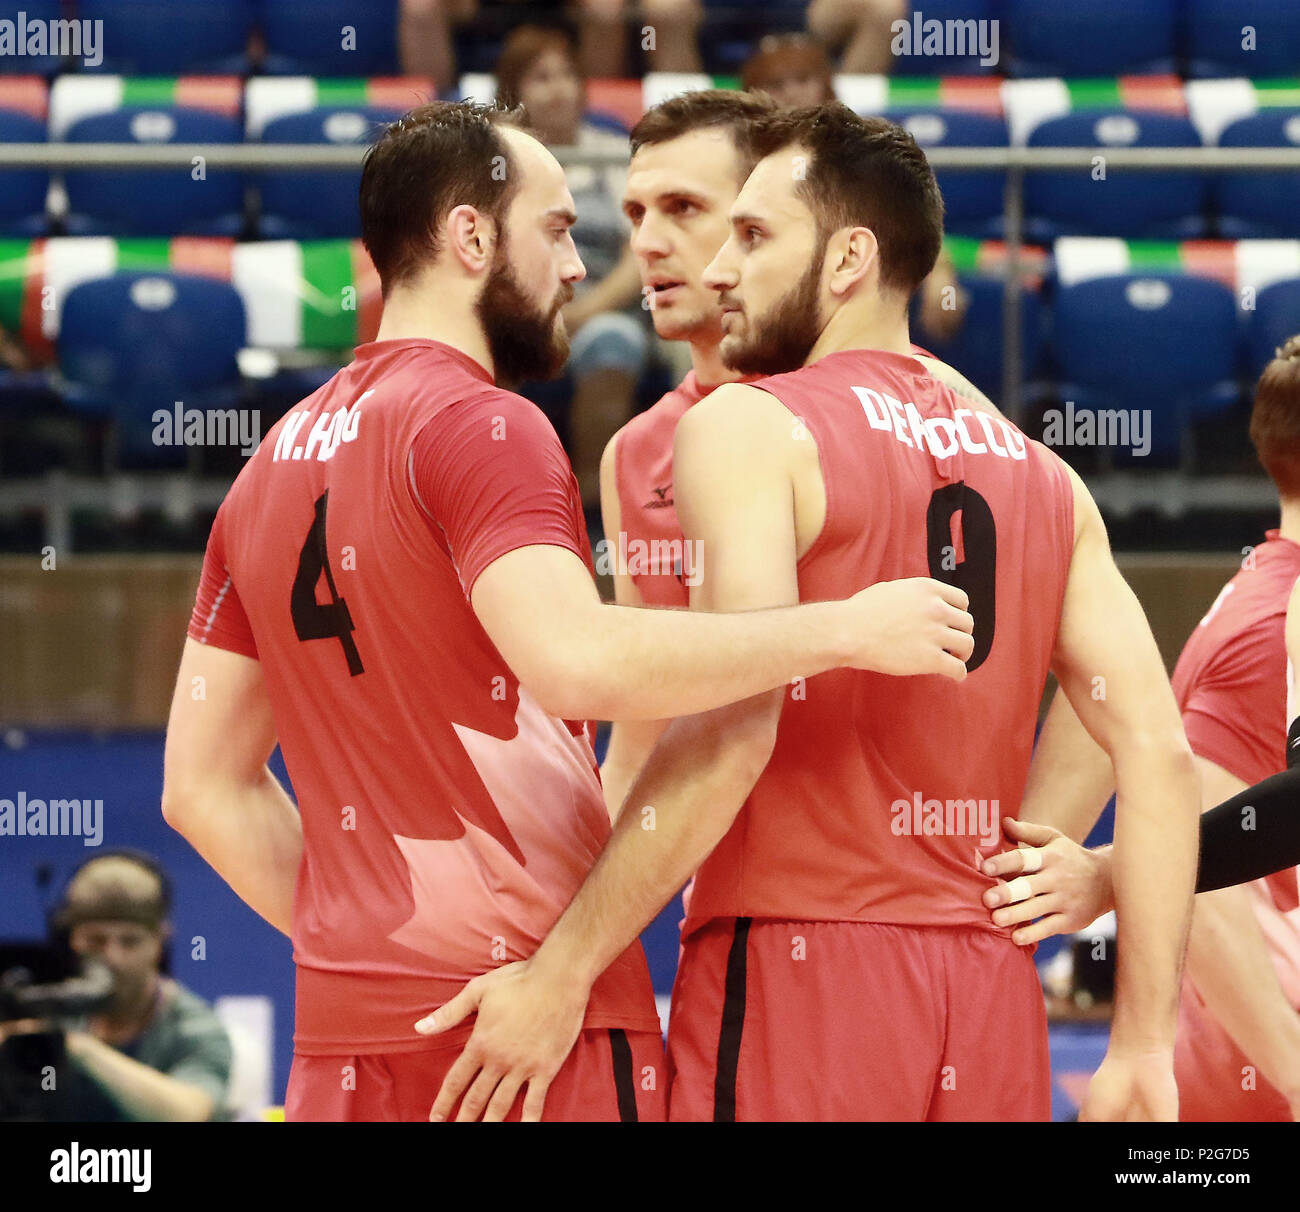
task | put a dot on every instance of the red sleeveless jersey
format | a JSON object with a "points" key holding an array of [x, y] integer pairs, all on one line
{"points": [[883, 795], [643, 474], [1231, 687], [447, 820], [651, 545]]}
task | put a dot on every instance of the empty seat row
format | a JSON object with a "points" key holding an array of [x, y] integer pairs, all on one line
{"points": [[170, 37], [197, 200], [1258, 38], [1178, 331], [315, 205]]}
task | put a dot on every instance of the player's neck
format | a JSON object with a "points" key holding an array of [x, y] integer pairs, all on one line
{"points": [[867, 323], [706, 362], [1289, 527], [436, 316]]}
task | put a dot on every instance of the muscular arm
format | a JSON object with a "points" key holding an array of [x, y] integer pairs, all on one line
{"points": [[1253, 834], [1104, 635], [1070, 777], [582, 658], [630, 741], [733, 491], [217, 789]]}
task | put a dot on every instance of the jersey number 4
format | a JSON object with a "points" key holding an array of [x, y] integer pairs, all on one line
{"points": [[313, 620], [977, 538]]}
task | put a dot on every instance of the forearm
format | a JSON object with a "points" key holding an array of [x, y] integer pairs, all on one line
{"points": [[1228, 962], [633, 664], [630, 744], [252, 838], [143, 1093], [1252, 834], [1153, 869], [678, 809], [1070, 777]]}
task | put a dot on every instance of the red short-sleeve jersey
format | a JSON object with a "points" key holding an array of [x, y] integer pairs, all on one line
{"points": [[447, 819]]}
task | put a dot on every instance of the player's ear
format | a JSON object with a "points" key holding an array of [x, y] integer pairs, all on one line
{"points": [[471, 237], [852, 252]]}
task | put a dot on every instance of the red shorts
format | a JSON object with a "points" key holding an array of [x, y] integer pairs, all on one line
{"points": [[1216, 1081], [610, 1075], [777, 1020]]}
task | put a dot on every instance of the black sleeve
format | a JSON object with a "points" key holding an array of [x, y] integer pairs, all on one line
{"points": [[1254, 834]]}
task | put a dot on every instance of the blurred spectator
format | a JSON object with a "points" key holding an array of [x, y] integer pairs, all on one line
{"points": [[608, 326], [858, 30], [794, 70], [424, 38], [665, 29], [156, 1051], [12, 355]]}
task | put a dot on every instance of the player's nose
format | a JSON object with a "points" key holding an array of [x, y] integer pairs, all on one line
{"points": [[573, 270], [649, 239], [720, 273]]}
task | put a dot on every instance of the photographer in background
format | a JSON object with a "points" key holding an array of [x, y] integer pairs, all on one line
{"points": [[156, 1051]]}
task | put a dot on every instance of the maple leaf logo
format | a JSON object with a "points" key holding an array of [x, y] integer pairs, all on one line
{"points": [[472, 898]]}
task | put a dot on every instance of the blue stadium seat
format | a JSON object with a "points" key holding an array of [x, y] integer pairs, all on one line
{"points": [[1214, 38], [730, 31], [1167, 343], [972, 200], [317, 205], [172, 37], [42, 11], [134, 343], [168, 203], [1275, 319], [976, 349], [1099, 38], [967, 63], [1260, 204], [1135, 205], [22, 191], [329, 37]]}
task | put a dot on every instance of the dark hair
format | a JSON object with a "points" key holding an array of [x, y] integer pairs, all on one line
{"points": [[864, 172], [1275, 419], [149, 911], [435, 158], [704, 109], [522, 49]]}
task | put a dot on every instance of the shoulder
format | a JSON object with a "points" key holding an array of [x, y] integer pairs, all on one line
{"points": [[738, 418], [488, 413]]}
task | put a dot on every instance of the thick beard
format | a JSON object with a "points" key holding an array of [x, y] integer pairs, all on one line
{"points": [[525, 342], [781, 340]]}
